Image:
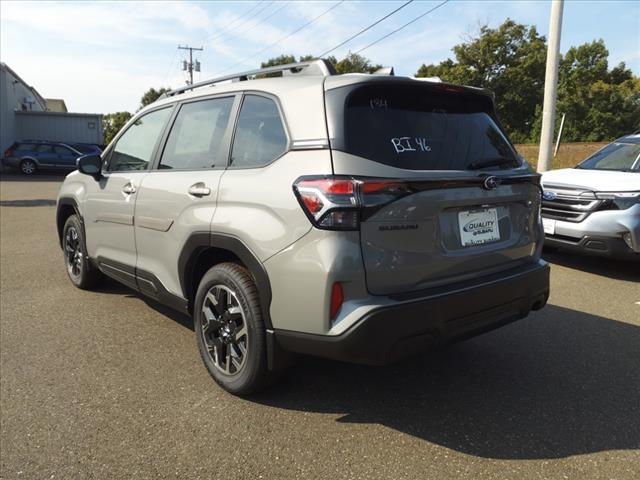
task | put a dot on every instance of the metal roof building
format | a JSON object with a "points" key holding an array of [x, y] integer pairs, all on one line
{"points": [[23, 114]]}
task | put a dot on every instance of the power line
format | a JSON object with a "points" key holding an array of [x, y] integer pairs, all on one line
{"points": [[229, 28], [225, 38], [365, 29], [403, 26], [285, 37], [171, 64]]}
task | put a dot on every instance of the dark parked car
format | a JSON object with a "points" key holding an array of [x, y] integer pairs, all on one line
{"points": [[31, 155]]}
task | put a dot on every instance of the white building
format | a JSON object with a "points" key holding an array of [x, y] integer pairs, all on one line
{"points": [[24, 115]]}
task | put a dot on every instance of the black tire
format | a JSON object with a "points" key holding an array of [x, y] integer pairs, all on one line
{"points": [[28, 166], [219, 332], [81, 273]]}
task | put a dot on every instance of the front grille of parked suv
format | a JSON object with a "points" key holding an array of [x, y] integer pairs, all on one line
{"points": [[569, 204]]}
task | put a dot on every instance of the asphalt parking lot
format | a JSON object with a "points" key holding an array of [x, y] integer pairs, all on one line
{"points": [[107, 384]]}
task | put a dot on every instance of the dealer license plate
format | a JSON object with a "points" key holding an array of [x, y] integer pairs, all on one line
{"points": [[478, 226], [549, 226]]}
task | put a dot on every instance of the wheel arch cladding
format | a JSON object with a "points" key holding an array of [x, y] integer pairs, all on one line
{"points": [[66, 207], [202, 250]]}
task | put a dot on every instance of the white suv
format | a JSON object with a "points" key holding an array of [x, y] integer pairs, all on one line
{"points": [[595, 207], [357, 217]]}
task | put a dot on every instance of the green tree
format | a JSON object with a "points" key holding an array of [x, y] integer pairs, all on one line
{"points": [[600, 104], [112, 123], [508, 60], [280, 60], [152, 95], [352, 63]]}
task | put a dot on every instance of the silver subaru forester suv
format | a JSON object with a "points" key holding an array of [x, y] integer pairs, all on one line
{"points": [[357, 217]]}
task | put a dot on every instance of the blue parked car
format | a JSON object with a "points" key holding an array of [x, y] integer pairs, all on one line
{"points": [[29, 156]]}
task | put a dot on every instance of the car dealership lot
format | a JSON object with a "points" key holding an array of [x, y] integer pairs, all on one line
{"points": [[108, 384]]}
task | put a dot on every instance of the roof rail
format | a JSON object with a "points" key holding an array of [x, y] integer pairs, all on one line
{"points": [[312, 67]]}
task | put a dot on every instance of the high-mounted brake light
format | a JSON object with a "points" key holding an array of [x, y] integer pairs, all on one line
{"points": [[449, 88], [335, 203]]}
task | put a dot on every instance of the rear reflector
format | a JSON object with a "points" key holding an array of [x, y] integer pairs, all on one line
{"points": [[337, 297]]}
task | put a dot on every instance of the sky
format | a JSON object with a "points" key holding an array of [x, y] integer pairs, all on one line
{"points": [[100, 57]]}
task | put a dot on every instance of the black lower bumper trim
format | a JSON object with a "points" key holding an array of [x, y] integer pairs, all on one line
{"points": [[390, 333], [601, 246]]}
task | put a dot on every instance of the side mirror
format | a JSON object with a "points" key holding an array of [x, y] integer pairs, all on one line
{"points": [[90, 165]]}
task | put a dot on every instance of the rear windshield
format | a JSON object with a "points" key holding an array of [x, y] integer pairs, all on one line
{"points": [[624, 157], [420, 128]]}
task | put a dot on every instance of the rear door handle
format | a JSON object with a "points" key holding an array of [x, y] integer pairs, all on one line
{"points": [[128, 189], [199, 190]]}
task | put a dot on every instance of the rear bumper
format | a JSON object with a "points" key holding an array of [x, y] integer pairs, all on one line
{"points": [[594, 245], [11, 162], [392, 332]]}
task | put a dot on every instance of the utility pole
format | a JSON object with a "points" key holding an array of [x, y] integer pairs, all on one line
{"points": [[190, 66], [550, 86]]}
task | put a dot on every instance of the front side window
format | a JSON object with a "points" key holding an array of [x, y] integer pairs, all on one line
{"points": [[44, 148], [62, 150], [615, 156], [196, 137], [260, 136], [134, 148], [84, 149]]}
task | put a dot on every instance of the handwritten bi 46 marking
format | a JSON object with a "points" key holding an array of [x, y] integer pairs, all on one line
{"points": [[403, 144]]}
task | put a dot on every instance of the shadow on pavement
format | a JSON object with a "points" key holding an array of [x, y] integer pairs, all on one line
{"points": [[606, 267], [37, 177], [39, 202], [112, 287], [560, 383]]}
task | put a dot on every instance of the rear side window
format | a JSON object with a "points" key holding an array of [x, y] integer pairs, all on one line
{"points": [[260, 136], [134, 148], [25, 147], [196, 137], [417, 127]]}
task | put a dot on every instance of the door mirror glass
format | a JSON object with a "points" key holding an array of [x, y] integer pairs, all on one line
{"points": [[90, 165]]}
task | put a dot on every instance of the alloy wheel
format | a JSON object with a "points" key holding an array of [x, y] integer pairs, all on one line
{"points": [[28, 167], [224, 329], [73, 252]]}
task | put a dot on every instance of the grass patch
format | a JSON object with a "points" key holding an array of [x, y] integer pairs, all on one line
{"points": [[569, 154]]}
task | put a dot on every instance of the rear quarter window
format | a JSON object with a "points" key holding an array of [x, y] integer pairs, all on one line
{"points": [[260, 137], [416, 127], [25, 147]]}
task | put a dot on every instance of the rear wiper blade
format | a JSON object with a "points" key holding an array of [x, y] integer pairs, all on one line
{"points": [[492, 162]]}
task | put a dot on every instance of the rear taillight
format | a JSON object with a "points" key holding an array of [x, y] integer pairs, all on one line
{"points": [[329, 202], [336, 203], [8, 152]]}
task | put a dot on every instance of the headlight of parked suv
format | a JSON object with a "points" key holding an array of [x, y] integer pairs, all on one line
{"points": [[619, 200]]}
